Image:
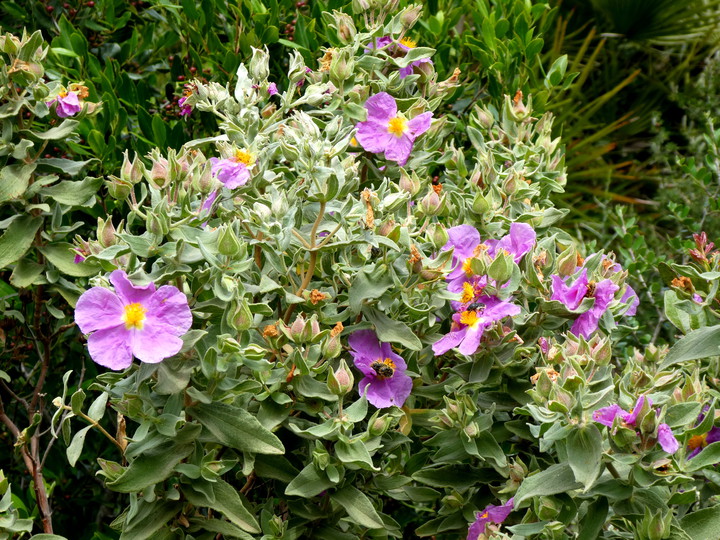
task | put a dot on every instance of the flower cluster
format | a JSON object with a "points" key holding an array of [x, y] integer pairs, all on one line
{"points": [[476, 311], [571, 293], [664, 435]]}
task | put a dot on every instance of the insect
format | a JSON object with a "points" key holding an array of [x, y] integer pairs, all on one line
{"points": [[382, 369], [476, 306], [590, 290]]}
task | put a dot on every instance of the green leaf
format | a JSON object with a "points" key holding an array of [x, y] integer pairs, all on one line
{"points": [[555, 479], [709, 456], [682, 414], [391, 330], [74, 193], [369, 283], [703, 524], [594, 519], [149, 519], [63, 258], [354, 453], [225, 499], [152, 466], [45, 536], [14, 180], [18, 238], [57, 133], [584, 448], [308, 483], [68, 166], [76, 445], [358, 507], [236, 428], [25, 273], [701, 343]]}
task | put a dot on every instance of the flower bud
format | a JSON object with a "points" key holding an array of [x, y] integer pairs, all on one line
{"points": [[320, 456], [378, 425], [471, 430], [501, 268], [156, 224], [410, 15], [408, 183], [118, 189], [203, 180], [567, 262], [297, 70], [431, 203], [340, 381], [159, 175], [484, 118], [345, 27], [106, 232], [360, 6], [297, 329], [655, 526], [240, 317], [548, 508], [228, 242], [331, 347], [341, 67], [480, 204], [259, 64], [439, 236]]}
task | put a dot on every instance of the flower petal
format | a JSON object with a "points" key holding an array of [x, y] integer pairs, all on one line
{"points": [[519, 241], [398, 149], [154, 344], [471, 342], [420, 124], [387, 392], [168, 310], [128, 292], [365, 349], [381, 107], [110, 347], [373, 136], [97, 309], [448, 341], [667, 440], [606, 415]]}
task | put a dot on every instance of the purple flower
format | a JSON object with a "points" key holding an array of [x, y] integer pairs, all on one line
{"points": [[491, 514], [399, 50], [233, 172], [387, 131], [606, 415], [132, 321], [667, 440], [68, 104], [385, 381], [698, 442], [272, 89], [572, 295], [468, 326], [185, 110]]}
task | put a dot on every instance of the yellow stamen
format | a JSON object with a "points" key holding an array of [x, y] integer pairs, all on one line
{"points": [[63, 94], [388, 362], [468, 293], [409, 43], [397, 126], [243, 156], [466, 266], [353, 142], [697, 441], [134, 316], [470, 318], [484, 515]]}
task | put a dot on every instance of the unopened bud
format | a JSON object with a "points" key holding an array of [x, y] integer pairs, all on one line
{"points": [[360, 6], [117, 188], [341, 67], [240, 317], [259, 64], [410, 15], [501, 268], [484, 118], [431, 204], [408, 183], [439, 236], [159, 175], [228, 242], [106, 232], [203, 181], [480, 204], [567, 262], [340, 381], [345, 27], [378, 425]]}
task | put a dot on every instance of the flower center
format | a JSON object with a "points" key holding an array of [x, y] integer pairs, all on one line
{"points": [[409, 43], [397, 126], [484, 515], [63, 94], [384, 368], [243, 156], [134, 316], [470, 318], [466, 266], [697, 441], [468, 293]]}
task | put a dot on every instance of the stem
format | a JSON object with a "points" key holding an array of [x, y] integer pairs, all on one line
{"points": [[96, 425]]}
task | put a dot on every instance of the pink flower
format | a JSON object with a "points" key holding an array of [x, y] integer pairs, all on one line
{"points": [[233, 172], [132, 321], [272, 89], [68, 104], [185, 110], [385, 380], [491, 514], [387, 131]]}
